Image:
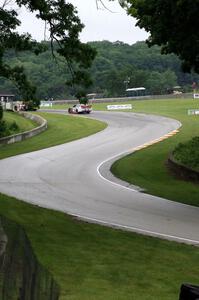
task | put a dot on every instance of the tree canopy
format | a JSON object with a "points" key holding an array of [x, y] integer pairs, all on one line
{"points": [[64, 27], [173, 24], [114, 63]]}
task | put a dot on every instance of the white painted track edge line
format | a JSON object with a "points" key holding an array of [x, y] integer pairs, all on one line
{"points": [[137, 230], [112, 182], [140, 147]]}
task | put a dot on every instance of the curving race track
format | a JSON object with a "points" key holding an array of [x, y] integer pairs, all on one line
{"points": [[70, 178]]}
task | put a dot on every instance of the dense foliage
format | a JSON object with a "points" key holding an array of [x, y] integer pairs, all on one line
{"points": [[172, 24], [64, 26], [7, 129], [114, 63], [1, 112], [1, 121], [188, 153]]}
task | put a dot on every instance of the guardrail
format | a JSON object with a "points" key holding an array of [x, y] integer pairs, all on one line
{"points": [[121, 99], [27, 134]]}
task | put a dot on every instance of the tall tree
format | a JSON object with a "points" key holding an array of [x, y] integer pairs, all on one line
{"points": [[173, 24], [1, 113], [64, 27]]}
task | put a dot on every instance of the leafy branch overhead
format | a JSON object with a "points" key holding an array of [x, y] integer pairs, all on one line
{"points": [[64, 28], [173, 24]]}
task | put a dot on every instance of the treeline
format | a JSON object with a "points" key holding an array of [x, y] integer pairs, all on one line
{"points": [[116, 67]]}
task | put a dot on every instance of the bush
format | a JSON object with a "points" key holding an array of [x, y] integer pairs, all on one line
{"points": [[2, 123], [3, 129], [30, 105], [6, 129], [188, 153], [13, 126], [1, 112]]}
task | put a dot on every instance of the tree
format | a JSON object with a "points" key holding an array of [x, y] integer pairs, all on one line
{"points": [[2, 122], [64, 27], [173, 24], [160, 83], [1, 113]]}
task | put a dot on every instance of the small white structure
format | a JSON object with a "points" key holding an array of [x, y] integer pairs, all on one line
{"points": [[46, 104], [7, 101], [139, 91], [91, 96]]}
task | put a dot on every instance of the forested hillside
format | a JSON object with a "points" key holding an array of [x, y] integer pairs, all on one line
{"points": [[116, 67]]}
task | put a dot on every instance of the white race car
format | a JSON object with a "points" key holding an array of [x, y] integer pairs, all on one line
{"points": [[80, 109]]}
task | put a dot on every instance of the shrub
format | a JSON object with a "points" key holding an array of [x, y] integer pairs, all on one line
{"points": [[1, 112], [6, 129], [30, 105], [3, 129], [188, 153], [13, 126]]}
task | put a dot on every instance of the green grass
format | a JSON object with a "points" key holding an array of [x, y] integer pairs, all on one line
{"points": [[147, 168], [91, 262], [136, 168], [23, 123], [61, 129], [94, 262]]}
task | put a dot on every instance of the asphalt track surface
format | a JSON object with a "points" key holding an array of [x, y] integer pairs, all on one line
{"points": [[75, 178]]}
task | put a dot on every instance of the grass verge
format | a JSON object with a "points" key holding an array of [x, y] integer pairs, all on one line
{"points": [[22, 124], [94, 262], [147, 168]]}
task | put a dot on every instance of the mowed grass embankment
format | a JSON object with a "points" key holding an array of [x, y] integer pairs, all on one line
{"points": [[94, 262], [23, 123], [61, 129], [147, 168]]}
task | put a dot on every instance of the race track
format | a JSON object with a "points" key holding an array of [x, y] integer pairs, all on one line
{"points": [[70, 178]]}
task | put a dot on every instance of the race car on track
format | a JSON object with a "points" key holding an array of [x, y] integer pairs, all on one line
{"points": [[80, 109]]}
